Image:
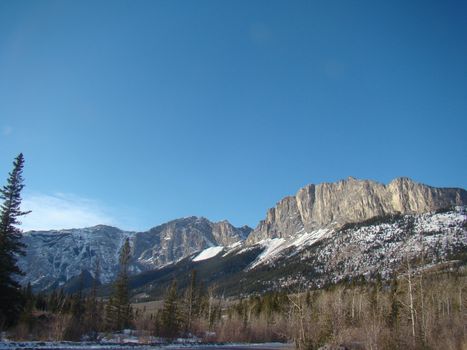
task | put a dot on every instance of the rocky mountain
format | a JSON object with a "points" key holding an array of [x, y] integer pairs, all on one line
{"points": [[382, 245], [335, 204], [177, 239], [55, 257], [323, 234]]}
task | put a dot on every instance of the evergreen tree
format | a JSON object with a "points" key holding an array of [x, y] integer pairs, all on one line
{"points": [[26, 317], [393, 299], [10, 244], [191, 303], [40, 302], [110, 315], [119, 310], [169, 318], [93, 312], [61, 303], [74, 329]]}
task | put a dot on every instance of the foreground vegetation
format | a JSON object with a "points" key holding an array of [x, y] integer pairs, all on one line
{"points": [[414, 311]]}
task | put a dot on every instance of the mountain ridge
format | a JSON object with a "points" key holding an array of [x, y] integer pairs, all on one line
{"points": [[313, 215], [381, 246], [351, 200], [56, 256]]}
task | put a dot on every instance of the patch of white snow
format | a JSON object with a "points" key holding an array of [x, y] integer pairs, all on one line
{"points": [[208, 253], [273, 247]]}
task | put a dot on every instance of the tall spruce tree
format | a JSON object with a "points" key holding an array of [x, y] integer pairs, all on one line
{"points": [[119, 312], [74, 329], [170, 317], [10, 244]]}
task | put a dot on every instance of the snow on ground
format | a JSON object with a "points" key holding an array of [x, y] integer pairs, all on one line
{"points": [[62, 345], [208, 253]]}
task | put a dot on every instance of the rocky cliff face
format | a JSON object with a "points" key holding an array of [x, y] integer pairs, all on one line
{"points": [[351, 200], [179, 238], [55, 257]]}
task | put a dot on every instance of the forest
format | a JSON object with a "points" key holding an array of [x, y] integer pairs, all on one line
{"points": [[414, 311]]}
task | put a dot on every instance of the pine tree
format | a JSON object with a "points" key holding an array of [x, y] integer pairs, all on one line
{"points": [[191, 302], [10, 244], [26, 317], [74, 329], [170, 320], [393, 299], [119, 311], [93, 314], [110, 315]]}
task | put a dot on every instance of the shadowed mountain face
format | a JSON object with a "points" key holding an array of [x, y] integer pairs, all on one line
{"points": [[54, 257], [316, 214], [352, 200]]}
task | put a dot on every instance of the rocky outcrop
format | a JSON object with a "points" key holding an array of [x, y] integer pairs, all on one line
{"points": [[179, 238], [54, 257], [225, 233], [351, 200]]}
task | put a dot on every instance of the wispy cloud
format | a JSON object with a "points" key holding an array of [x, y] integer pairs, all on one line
{"points": [[60, 211]]}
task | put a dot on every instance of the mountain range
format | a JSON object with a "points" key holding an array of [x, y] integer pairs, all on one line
{"points": [[323, 234], [54, 257]]}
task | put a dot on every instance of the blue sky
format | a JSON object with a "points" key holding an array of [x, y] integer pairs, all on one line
{"points": [[133, 113]]}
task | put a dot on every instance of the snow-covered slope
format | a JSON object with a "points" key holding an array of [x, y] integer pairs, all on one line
{"points": [[381, 245], [313, 259], [208, 253], [275, 246]]}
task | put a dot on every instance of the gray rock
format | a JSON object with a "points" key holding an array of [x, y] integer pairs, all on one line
{"points": [[351, 200], [180, 238]]}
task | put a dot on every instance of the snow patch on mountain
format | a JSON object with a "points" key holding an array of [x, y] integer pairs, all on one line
{"points": [[208, 253], [275, 247], [272, 247]]}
